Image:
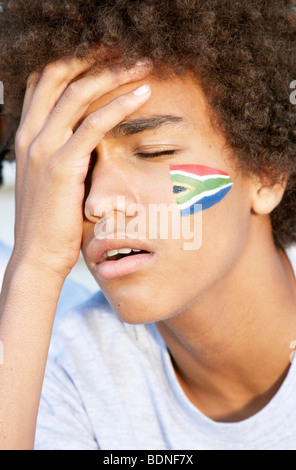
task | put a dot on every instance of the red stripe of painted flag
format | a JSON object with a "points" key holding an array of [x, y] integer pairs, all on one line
{"points": [[199, 170]]}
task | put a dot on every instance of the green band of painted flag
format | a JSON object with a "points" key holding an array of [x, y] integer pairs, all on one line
{"points": [[198, 187]]}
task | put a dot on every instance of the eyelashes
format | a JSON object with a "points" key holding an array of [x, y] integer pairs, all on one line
{"points": [[94, 156], [156, 154]]}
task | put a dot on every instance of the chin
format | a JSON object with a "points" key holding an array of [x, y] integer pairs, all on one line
{"points": [[134, 311], [142, 309]]}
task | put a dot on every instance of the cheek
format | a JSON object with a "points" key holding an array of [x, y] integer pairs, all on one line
{"points": [[223, 205], [156, 188], [224, 233], [225, 229]]}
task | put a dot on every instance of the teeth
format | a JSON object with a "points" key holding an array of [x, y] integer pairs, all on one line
{"points": [[121, 251], [112, 253], [125, 251]]}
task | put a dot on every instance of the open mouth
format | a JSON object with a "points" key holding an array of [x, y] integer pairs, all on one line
{"points": [[123, 261], [115, 255]]}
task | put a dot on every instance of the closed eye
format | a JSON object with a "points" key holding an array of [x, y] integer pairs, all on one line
{"points": [[156, 154]]}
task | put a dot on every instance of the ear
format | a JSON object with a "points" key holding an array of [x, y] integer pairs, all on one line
{"points": [[266, 195]]}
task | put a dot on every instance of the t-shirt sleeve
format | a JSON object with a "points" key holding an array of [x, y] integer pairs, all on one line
{"points": [[62, 423]]}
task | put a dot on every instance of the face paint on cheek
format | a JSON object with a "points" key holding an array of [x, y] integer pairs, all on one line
{"points": [[198, 187]]}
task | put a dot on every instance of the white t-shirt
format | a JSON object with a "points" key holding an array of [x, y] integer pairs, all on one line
{"points": [[4, 257], [110, 385]]}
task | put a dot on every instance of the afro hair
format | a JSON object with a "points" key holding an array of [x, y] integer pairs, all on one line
{"points": [[243, 54]]}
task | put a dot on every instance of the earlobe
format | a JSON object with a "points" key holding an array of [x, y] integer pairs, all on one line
{"points": [[267, 197]]}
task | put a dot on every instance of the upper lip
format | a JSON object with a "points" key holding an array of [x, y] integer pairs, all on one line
{"points": [[98, 247]]}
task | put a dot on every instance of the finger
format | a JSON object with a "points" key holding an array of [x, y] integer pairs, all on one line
{"points": [[75, 154], [41, 98], [41, 92], [78, 97], [32, 83]]}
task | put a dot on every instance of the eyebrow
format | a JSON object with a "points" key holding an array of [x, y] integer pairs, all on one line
{"points": [[135, 126]]}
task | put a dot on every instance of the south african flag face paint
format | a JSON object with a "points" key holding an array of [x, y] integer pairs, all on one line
{"points": [[198, 187]]}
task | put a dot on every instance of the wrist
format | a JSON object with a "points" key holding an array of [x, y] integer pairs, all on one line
{"points": [[30, 275], [38, 265]]}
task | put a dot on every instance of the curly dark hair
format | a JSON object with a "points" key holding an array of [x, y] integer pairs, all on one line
{"points": [[243, 54]]}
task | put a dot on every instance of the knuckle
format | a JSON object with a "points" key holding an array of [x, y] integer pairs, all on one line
{"points": [[74, 91], [93, 121], [53, 70], [34, 151], [20, 140]]}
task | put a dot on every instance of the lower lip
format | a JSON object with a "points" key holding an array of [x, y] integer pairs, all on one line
{"points": [[123, 267]]}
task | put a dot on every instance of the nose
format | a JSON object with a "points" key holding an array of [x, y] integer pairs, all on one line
{"points": [[111, 189]]}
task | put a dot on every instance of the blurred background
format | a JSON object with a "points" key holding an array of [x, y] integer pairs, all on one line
{"points": [[79, 274]]}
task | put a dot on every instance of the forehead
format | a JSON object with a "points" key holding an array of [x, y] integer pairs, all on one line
{"points": [[179, 96]]}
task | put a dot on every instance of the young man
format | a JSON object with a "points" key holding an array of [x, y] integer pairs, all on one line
{"points": [[190, 348]]}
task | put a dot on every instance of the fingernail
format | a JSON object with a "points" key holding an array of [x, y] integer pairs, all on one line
{"points": [[143, 90]]}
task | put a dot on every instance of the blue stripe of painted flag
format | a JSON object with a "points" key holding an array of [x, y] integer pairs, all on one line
{"points": [[205, 203]]}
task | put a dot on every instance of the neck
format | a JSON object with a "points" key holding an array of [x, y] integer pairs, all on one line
{"points": [[231, 349]]}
